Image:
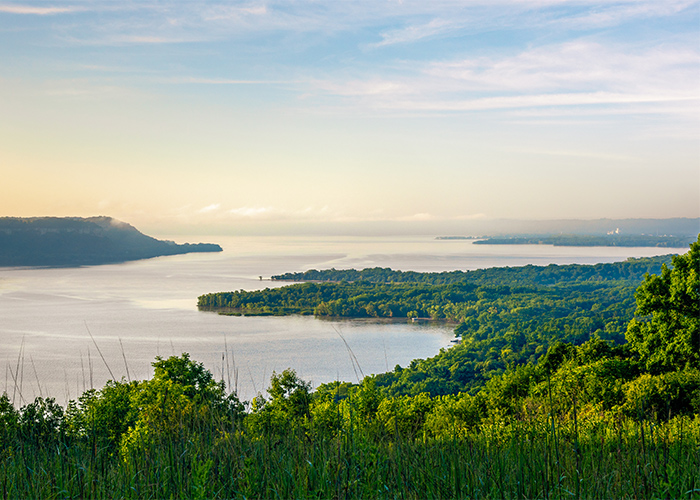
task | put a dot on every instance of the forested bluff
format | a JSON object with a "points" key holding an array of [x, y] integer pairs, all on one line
{"points": [[78, 241], [589, 387]]}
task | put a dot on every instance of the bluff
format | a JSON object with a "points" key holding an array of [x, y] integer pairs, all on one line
{"points": [[76, 241]]}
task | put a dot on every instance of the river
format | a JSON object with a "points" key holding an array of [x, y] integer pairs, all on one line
{"points": [[65, 330]]}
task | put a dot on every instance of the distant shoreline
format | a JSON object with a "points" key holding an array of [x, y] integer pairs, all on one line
{"points": [[614, 240]]}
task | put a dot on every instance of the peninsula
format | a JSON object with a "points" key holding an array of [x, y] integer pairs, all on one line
{"points": [[77, 241]]}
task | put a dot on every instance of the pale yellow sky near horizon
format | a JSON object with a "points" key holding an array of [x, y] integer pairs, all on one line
{"points": [[176, 118]]}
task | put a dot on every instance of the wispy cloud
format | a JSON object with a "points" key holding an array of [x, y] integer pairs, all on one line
{"points": [[325, 214], [225, 81], [575, 65], [86, 89], [37, 11], [417, 32], [371, 87], [593, 155], [253, 211], [613, 13], [391, 23], [144, 39], [539, 100], [423, 216], [277, 213], [209, 208], [233, 12], [577, 73]]}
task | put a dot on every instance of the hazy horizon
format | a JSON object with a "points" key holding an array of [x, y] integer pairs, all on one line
{"points": [[269, 117], [677, 227], [474, 228]]}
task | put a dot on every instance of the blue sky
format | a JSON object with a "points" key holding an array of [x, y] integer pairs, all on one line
{"points": [[238, 115]]}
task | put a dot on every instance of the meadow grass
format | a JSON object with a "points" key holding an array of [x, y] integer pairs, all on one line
{"points": [[535, 459]]}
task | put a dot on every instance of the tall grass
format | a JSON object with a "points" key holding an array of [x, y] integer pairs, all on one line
{"points": [[539, 458]]}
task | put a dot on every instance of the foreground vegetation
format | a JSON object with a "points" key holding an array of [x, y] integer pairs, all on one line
{"points": [[595, 420], [197, 453]]}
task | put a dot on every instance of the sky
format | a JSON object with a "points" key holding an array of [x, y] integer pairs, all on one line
{"points": [[261, 116]]}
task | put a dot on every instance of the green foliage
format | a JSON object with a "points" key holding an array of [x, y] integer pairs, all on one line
{"points": [[182, 396], [506, 316], [666, 331], [631, 270], [290, 394], [287, 409], [104, 415], [9, 417], [367, 400], [538, 430], [404, 415], [456, 415], [41, 421], [196, 382], [587, 418], [664, 395]]}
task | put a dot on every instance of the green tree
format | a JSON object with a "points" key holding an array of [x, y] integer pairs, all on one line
{"points": [[290, 393], [106, 414], [289, 406], [180, 377], [666, 331], [40, 422], [9, 417]]}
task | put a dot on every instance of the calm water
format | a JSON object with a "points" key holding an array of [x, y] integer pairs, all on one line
{"points": [[143, 309]]}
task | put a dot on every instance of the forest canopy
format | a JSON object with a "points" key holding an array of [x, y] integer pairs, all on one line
{"points": [[503, 316]]}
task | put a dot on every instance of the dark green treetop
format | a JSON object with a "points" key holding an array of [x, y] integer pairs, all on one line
{"points": [[666, 331]]}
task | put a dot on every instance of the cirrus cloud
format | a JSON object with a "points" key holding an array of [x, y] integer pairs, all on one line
{"points": [[37, 11], [577, 73]]}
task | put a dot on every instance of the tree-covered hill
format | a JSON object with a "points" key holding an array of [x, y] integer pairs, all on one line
{"points": [[75, 241], [505, 317]]}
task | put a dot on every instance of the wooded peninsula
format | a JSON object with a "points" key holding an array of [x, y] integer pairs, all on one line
{"points": [[504, 316]]}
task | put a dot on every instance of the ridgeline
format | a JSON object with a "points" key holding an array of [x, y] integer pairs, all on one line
{"points": [[76, 241]]}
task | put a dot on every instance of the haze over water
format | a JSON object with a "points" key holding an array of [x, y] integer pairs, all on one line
{"points": [[148, 308]]}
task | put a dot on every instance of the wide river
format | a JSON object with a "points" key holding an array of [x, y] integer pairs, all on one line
{"points": [[65, 330]]}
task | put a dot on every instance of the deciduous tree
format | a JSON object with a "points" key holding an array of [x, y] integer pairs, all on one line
{"points": [[666, 331]]}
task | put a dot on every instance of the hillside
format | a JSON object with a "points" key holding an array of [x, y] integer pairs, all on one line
{"points": [[76, 241]]}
